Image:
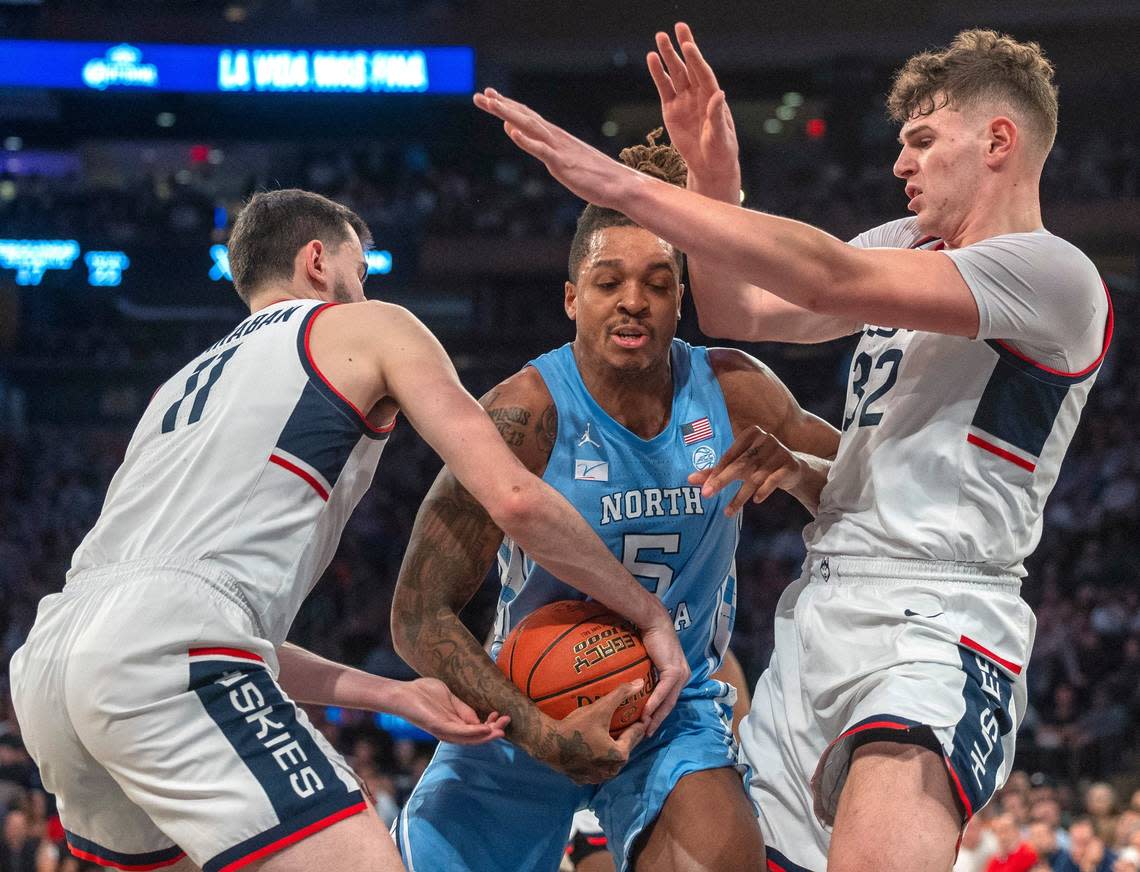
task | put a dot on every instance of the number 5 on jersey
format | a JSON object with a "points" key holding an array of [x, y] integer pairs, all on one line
{"points": [[661, 573], [215, 364]]}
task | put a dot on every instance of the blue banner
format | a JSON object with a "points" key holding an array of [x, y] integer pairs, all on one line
{"points": [[143, 67]]}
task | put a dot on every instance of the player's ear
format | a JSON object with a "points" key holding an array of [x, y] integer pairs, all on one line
{"points": [[680, 298], [316, 266], [570, 301], [1003, 138]]}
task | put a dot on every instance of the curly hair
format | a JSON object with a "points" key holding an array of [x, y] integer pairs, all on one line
{"points": [[980, 66], [654, 159]]}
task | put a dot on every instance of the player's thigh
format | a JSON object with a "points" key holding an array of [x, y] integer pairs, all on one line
{"points": [[356, 844], [599, 862], [906, 784], [707, 824]]}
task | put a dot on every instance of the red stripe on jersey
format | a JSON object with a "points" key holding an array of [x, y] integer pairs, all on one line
{"points": [[292, 838], [126, 867], [387, 428], [1109, 324], [1015, 668], [1000, 452], [874, 725], [296, 470], [962, 798], [225, 652]]}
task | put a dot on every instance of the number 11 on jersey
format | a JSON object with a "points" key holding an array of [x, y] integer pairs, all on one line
{"points": [[216, 364]]}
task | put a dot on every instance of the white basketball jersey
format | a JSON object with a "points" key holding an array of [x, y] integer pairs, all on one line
{"points": [[950, 446], [247, 460]]}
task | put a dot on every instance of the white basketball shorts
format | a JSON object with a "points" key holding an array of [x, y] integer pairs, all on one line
{"points": [[150, 704], [870, 650]]}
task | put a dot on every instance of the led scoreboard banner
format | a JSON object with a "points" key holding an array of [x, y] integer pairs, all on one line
{"points": [[72, 273], [143, 67]]}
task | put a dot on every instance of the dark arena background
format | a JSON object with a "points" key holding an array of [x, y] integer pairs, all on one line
{"points": [[131, 132]]}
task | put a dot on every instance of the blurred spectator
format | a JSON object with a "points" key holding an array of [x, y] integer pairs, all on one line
{"points": [[1013, 853], [1042, 838], [1087, 852], [1100, 805], [22, 849]]}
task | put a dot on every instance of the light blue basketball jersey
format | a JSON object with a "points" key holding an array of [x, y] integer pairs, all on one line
{"points": [[635, 493]]}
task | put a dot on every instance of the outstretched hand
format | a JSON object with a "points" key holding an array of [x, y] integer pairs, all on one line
{"points": [[428, 704], [757, 459], [583, 169], [695, 112]]}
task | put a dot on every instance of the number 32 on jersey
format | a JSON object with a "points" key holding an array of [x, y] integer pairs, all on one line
{"points": [[871, 379]]}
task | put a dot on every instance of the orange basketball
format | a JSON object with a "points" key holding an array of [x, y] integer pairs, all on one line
{"points": [[571, 653]]}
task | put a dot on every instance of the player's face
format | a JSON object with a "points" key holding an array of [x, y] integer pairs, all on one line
{"points": [[627, 299], [942, 162], [347, 271]]}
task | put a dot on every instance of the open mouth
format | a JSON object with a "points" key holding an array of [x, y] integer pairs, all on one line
{"points": [[630, 337]]}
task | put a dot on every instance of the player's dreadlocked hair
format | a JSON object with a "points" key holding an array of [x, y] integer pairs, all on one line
{"points": [[654, 159], [981, 66]]}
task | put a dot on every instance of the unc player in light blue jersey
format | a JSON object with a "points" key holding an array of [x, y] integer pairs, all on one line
{"points": [[617, 421]]}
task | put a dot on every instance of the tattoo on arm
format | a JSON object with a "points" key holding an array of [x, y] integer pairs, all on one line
{"points": [[453, 542], [452, 545], [546, 429], [511, 423]]}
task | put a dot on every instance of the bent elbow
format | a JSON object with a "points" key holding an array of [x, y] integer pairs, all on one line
{"points": [[518, 504]]}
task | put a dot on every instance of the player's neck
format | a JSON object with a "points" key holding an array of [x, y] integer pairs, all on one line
{"points": [[279, 294], [1014, 208], [640, 401]]}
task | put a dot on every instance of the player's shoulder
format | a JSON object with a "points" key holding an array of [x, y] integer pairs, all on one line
{"points": [[899, 233], [753, 393], [735, 364], [524, 388], [526, 416], [368, 313], [1048, 251]]}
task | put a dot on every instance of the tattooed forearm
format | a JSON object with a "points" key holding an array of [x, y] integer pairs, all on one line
{"points": [[453, 543]]}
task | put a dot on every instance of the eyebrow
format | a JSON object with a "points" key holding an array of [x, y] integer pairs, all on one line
{"points": [[617, 262], [913, 132]]}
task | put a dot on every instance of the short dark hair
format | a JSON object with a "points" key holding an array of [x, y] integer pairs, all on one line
{"points": [[980, 65], [272, 227], [658, 160]]}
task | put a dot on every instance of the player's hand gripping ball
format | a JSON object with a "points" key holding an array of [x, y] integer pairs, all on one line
{"points": [[571, 653]]}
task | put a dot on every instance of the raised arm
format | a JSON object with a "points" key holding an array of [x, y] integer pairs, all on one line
{"points": [[919, 290], [701, 128]]}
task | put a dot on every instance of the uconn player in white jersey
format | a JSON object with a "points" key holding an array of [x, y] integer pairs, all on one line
{"points": [[156, 690], [888, 713]]}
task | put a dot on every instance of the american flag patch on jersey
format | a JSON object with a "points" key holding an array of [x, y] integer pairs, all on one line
{"points": [[696, 430]]}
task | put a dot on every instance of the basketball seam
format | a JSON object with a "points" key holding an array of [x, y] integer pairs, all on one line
{"points": [[592, 680], [538, 660]]}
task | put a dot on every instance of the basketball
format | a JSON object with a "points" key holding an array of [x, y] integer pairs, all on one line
{"points": [[571, 653]]}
